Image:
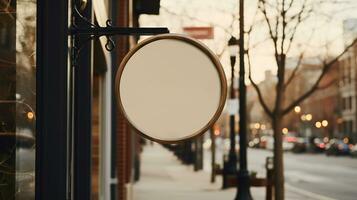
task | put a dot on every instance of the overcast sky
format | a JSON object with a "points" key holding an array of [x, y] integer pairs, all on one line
{"points": [[326, 23]]}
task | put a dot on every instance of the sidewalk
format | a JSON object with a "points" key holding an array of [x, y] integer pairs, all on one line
{"points": [[164, 177]]}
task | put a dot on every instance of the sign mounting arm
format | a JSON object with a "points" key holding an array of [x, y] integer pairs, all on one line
{"points": [[93, 31]]}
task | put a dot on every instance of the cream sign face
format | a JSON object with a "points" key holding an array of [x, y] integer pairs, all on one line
{"points": [[170, 88]]}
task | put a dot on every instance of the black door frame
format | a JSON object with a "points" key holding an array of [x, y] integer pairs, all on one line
{"points": [[64, 100], [52, 100], [82, 112]]}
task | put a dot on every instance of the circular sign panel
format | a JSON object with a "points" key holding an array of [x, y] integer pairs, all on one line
{"points": [[171, 88]]}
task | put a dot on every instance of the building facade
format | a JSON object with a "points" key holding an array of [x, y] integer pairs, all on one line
{"points": [[322, 105], [347, 83], [61, 135]]}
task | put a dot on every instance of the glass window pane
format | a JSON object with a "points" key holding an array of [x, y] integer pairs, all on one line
{"points": [[17, 98]]}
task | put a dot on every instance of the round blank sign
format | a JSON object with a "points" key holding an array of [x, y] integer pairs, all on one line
{"points": [[170, 88]]}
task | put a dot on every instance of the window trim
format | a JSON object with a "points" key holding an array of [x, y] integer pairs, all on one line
{"points": [[52, 100]]}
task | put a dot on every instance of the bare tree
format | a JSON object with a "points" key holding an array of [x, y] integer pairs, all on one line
{"points": [[283, 18]]}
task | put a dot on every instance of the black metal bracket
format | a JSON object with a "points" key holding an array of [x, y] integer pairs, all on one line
{"points": [[93, 31]]}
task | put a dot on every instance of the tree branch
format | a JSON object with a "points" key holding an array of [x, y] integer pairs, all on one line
{"points": [[257, 89], [316, 85], [290, 5], [262, 8], [284, 25], [291, 77], [300, 19]]}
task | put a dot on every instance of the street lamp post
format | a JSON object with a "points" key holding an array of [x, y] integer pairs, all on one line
{"points": [[243, 185], [231, 165]]}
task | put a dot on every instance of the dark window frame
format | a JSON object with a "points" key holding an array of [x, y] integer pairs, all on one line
{"points": [[82, 115], [52, 100]]}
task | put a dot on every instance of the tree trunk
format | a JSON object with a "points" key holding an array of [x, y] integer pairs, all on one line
{"points": [[278, 157]]}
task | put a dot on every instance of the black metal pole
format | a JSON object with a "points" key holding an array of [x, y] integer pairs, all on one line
{"points": [[213, 154], [230, 166], [232, 157], [243, 192], [82, 113], [51, 175]]}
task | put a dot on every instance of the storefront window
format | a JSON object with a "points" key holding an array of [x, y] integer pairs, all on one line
{"points": [[17, 99]]}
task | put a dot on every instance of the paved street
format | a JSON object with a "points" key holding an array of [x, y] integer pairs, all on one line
{"points": [[334, 177], [164, 177], [314, 174]]}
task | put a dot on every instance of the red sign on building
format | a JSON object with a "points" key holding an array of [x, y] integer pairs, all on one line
{"points": [[199, 32]]}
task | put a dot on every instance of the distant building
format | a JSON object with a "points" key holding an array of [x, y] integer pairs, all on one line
{"points": [[349, 30], [322, 104], [347, 84], [256, 114]]}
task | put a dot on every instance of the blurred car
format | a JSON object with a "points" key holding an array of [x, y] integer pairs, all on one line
{"points": [[318, 145], [337, 147], [288, 142], [300, 145], [353, 149], [315, 145]]}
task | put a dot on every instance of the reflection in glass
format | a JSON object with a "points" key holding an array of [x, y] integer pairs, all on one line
{"points": [[17, 99]]}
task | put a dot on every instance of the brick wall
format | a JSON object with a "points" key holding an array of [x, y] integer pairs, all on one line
{"points": [[123, 158], [95, 139]]}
